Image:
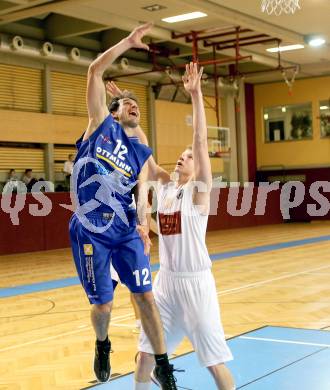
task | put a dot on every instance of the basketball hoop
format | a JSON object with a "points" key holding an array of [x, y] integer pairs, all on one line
{"points": [[219, 146], [276, 7], [225, 154]]}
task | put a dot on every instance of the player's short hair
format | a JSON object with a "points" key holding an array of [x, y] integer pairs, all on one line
{"points": [[114, 103], [189, 147]]}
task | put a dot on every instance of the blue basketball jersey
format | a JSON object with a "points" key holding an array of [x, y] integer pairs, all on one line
{"points": [[107, 166]]}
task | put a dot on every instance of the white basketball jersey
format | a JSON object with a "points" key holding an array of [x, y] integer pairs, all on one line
{"points": [[182, 230]]}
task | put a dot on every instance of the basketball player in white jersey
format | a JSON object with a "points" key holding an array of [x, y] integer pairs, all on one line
{"points": [[184, 288]]}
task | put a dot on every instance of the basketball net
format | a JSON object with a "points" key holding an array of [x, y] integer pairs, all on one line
{"points": [[276, 7], [288, 82]]}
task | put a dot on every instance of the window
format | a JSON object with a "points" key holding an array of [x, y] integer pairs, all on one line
{"points": [[288, 122], [324, 108]]}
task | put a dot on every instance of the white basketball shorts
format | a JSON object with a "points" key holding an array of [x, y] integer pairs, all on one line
{"points": [[188, 306]]}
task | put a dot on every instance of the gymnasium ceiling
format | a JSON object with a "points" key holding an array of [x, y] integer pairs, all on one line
{"points": [[95, 25]]}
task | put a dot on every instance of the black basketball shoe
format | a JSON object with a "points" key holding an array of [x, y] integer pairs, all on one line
{"points": [[163, 377], [102, 366]]}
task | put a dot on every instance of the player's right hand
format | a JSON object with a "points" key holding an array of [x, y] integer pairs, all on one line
{"points": [[144, 234], [192, 77], [135, 37]]}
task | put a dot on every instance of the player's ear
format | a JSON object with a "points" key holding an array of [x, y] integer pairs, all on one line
{"points": [[114, 115]]}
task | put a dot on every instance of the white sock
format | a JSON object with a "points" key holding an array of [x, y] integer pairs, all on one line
{"points": [[142, 385]]}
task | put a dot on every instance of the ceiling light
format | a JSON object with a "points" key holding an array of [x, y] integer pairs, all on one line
{"points": [[283, 109], [285, 48], [316, 41], [324, 107], [154, 7], [181, 18], [266, 116]]}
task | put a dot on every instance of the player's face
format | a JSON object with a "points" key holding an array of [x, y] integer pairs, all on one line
{"points": [[185, 164], [128, 113]]}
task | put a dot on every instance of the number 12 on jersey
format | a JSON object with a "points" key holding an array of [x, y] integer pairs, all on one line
{"points": [[120, 149], [144, 276]]}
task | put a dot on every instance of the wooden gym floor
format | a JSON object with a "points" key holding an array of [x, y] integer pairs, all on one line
{"points": [[47, 341]]}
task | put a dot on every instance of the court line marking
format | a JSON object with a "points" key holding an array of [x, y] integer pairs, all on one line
{"points": [[79, 330], [324, 348], [225, 292], [6, 292], [261, 282], [281, 368], [284, 341], [127, 316], [116, 325], [269, 247]]}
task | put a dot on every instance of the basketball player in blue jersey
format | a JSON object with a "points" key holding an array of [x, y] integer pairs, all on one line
{"points": [[108, 166]]}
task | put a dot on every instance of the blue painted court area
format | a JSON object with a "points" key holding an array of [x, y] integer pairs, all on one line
{"points": [[67, 282], [270, 358]]}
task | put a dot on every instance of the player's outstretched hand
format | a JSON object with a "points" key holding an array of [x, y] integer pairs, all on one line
{"points": [[112, 89], [135, 37], [192, 78], [144, 234]]}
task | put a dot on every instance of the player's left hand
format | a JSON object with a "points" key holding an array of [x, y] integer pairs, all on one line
{"points": [[192, 78], [144, 234], [112, 89]]}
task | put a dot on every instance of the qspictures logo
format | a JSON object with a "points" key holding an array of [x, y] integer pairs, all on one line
{"points": [[109, 186], [239, 201]]}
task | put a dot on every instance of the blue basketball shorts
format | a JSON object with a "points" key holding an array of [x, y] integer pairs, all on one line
{"points": [[119, 244]]}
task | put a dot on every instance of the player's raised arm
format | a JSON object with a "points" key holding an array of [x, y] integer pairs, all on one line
{"points": [[96, 95], [202, 164]]}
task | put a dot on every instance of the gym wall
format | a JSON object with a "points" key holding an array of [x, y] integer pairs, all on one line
{"points": [[173, 133], [35, 111], [293, 153]]}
